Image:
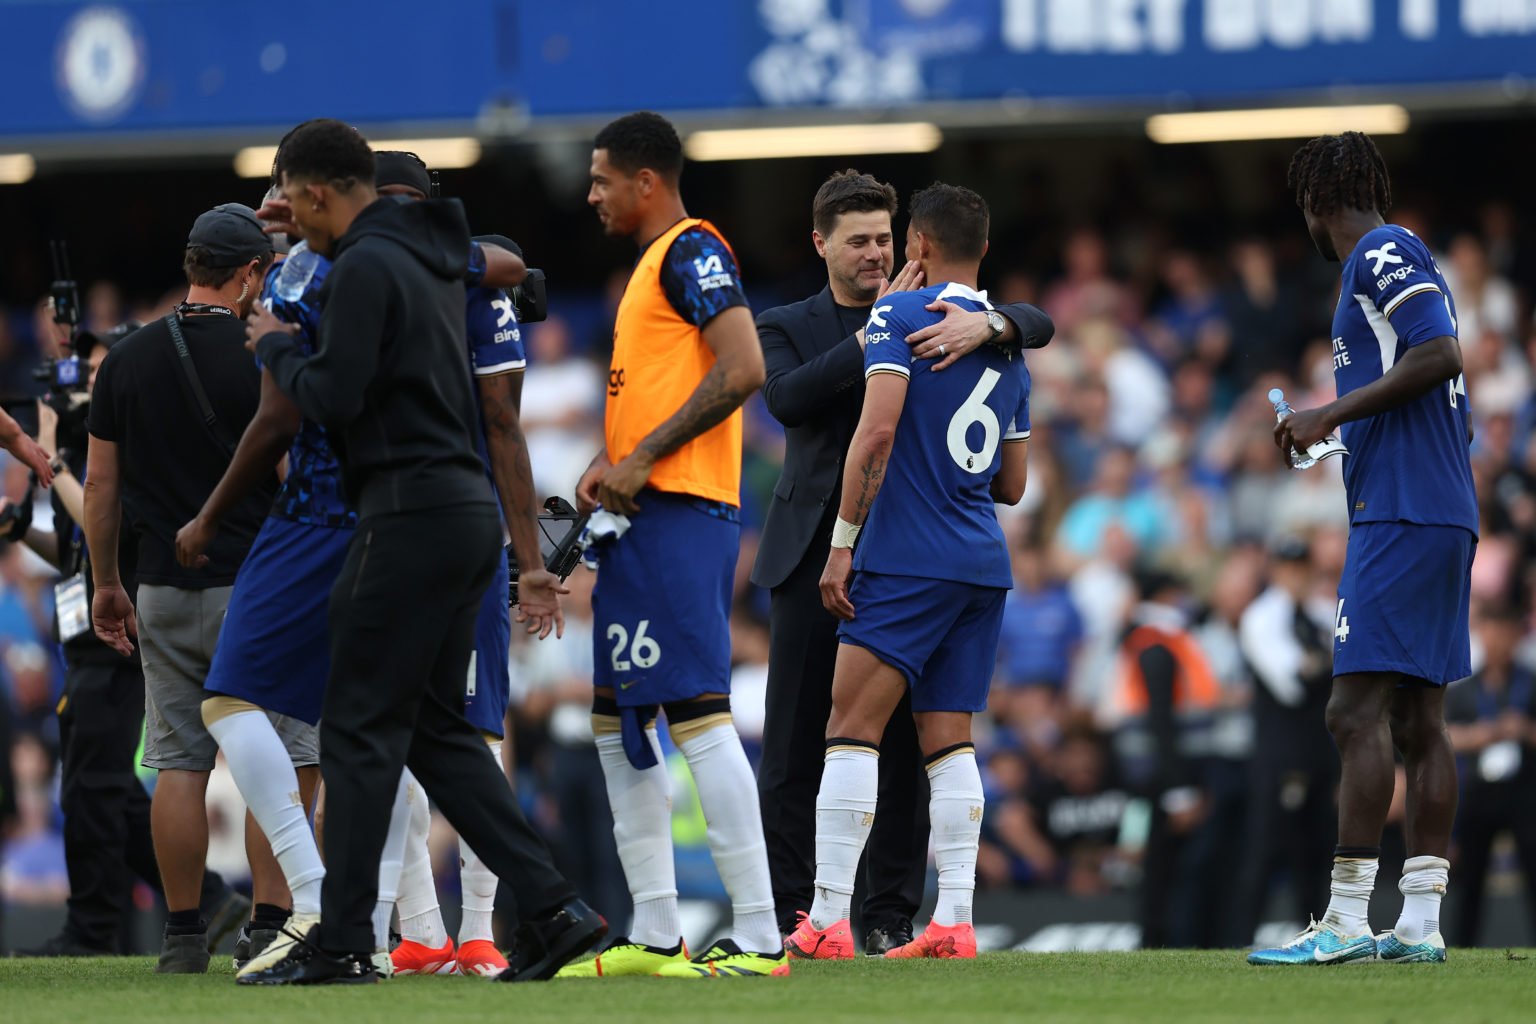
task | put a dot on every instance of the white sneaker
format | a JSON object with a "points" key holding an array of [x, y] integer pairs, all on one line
{"points": [[299, 926]]}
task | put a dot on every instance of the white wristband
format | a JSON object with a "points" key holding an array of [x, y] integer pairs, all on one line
{"points": [[844, 533]]}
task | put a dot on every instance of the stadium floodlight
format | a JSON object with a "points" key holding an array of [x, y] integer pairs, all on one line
{"points": [[813, 140], [438, 154], [1276, 123], [16, 168]]}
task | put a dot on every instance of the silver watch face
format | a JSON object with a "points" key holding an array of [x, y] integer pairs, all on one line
{"points": [[996, 321]]}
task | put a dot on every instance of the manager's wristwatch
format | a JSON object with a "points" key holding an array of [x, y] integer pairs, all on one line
{"points": [[997, 322]]}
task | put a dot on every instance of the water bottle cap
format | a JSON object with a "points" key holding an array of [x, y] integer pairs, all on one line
{"points": [[1276, 395]]}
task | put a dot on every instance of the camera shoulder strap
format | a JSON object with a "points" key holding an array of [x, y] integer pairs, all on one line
{"points": [[215, 428]]}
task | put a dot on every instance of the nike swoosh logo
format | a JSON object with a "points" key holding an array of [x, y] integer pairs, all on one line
{"points": [[1324, 957], [625, 686]]}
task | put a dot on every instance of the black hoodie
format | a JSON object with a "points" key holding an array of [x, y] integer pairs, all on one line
{"points": [[389, 379]]}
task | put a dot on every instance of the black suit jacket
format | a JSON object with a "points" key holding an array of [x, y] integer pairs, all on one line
{"points": [[815, 387]]}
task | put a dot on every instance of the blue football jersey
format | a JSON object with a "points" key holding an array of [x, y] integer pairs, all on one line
{"points": [[934, 516], [312, 492], [495, 347], [1409, 464]]}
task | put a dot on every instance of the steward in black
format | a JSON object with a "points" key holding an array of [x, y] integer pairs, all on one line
{"points": [[389, 379]]}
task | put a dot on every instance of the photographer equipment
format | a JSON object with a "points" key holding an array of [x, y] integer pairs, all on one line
{"points": [[62, 374], [531, 298], [16, 518], [560, 556], [173, 321]]}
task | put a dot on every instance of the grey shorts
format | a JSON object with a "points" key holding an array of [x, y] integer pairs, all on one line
{"points": [[178, 630]]}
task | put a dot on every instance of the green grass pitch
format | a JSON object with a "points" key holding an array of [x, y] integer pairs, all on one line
{"points": [[1475, 985]]}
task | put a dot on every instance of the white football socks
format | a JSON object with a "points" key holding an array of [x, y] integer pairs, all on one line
{"points": [[478, 885], [955, 802], [421, 920], [392, 860], [1350, 901], [845, 812], [1423, 887], [264, 774], [642, 830], [728, 796]]}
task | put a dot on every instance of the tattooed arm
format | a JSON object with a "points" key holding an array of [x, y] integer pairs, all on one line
{"points": [[885, 394], [537, 589], [738, 371]]}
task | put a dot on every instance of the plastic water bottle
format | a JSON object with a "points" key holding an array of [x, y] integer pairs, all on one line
{"points": [[294, 275], [1330, 445]]}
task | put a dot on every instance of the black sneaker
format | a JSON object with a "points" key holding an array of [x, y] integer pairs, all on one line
{"points": [[229, 912], [183, 954], [308, 964], [65, 944], [545, 946], [883, 939], [249, 942]]}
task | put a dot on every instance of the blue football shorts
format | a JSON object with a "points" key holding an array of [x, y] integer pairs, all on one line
{"points": [[662, 603], [942, 635], [1403, 602], [489, 685], [275, 647]]}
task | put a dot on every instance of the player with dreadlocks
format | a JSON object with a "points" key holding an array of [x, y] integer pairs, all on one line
{"points": [[1400, 628]]}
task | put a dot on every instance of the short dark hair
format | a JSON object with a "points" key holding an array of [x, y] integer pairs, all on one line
{"points": [[200, 267], [1336, 172], [954, 217], [326, 150], [642, 139], [850, 192]]}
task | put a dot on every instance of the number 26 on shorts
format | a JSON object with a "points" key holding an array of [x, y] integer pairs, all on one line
{"points": [[642, 650]]}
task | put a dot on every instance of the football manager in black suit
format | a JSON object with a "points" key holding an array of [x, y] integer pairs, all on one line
{"points": [[814, 351]]}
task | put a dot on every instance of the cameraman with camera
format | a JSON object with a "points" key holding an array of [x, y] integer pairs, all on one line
{"points": [[106, 809]]}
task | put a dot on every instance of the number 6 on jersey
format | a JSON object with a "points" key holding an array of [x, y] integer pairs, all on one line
{"points": [[645, 651]]}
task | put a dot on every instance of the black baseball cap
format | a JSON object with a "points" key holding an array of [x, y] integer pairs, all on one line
{"points": [[398, 167], [231, 234]]}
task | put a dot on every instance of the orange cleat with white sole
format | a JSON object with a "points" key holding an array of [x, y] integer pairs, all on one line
{"points": [[481, 958], [957, 942], [807, 942], [414, 958]]}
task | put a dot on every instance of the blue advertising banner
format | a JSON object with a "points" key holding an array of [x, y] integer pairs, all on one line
{"points": [[168, 66]]}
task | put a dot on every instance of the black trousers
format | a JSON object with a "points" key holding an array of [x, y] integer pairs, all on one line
{"points": [[107, 842], [802, 654], [1488, 808], [1292, 826], [106, 810], [402, 621]]}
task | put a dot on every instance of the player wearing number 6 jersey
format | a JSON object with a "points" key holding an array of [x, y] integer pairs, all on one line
{"points": [[685, 356], [932, 454], [1400, 631]]}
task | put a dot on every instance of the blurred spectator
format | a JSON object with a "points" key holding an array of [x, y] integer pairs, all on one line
{"points": [[1286, 638], [1041, 633], [1492, 721], [1190, 321], [1264, 315], [32, 858], [1138, 389], [1159, 709], [562, 408], [1485, 301], [1113, 500], [1086, 288]]}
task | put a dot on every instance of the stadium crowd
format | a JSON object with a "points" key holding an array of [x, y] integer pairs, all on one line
{"points": [[1152, 447]]}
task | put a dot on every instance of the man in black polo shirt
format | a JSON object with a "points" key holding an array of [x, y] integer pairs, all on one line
{"points": [[167, 402]]}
